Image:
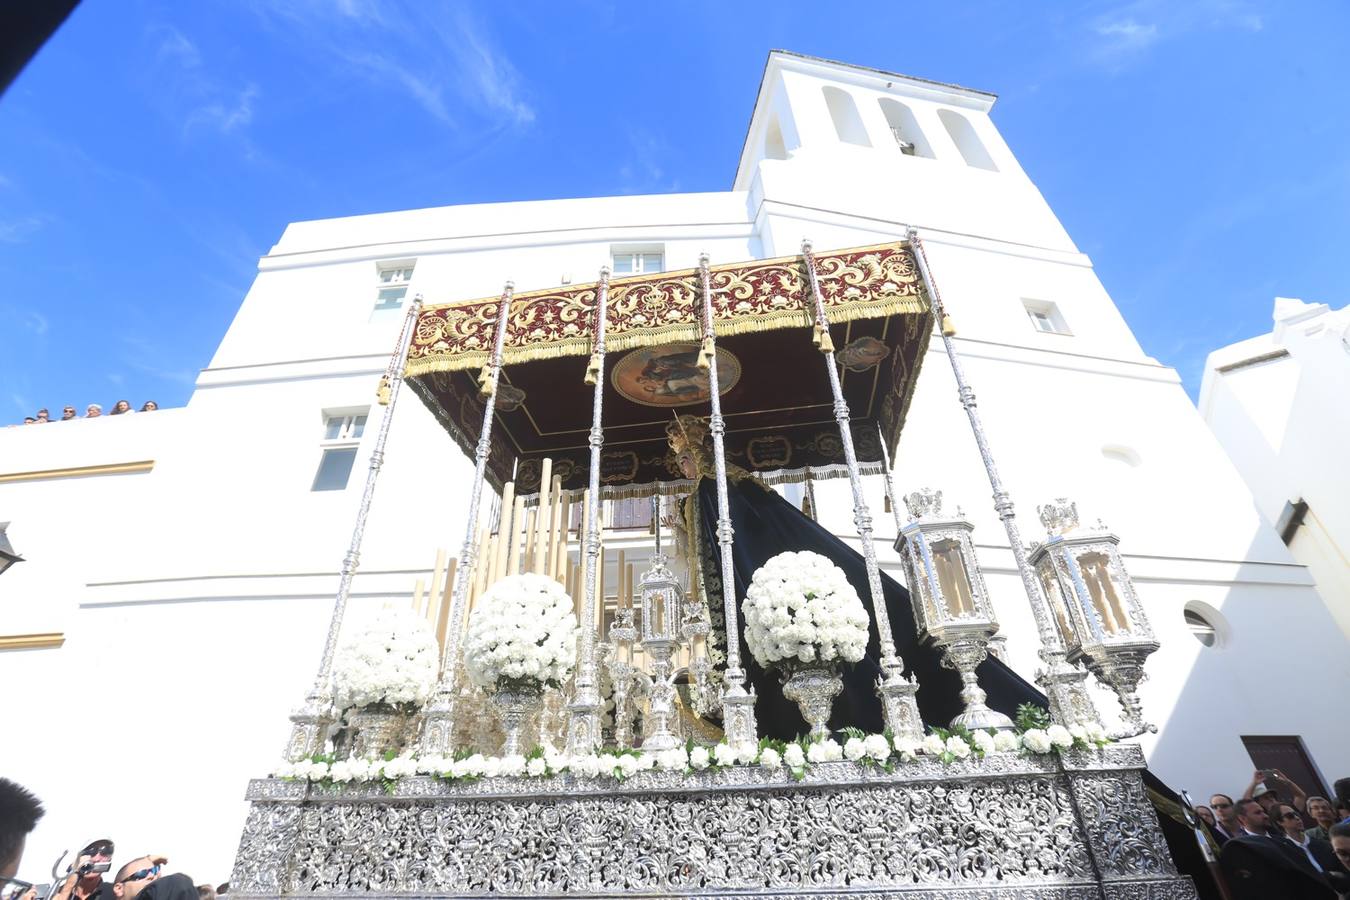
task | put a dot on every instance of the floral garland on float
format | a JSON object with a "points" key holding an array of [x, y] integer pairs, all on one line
{"points": [[382, 676], [805, 621], [1033, 736], [522, 638]]}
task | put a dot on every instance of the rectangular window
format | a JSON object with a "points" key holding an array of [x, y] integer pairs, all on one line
{"points": [[392, 277], [1045, 317], [638, 262], [342, 433]]}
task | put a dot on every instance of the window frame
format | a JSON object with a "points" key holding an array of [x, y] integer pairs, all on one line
{"points": [[407, 271], [637, 252], [350, 434], [1047, 311]]}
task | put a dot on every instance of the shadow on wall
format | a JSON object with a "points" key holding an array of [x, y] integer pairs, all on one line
{"points": [[1276, 654]]}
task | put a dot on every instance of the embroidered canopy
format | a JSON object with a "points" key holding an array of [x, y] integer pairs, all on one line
{"points": [[776, 397]]}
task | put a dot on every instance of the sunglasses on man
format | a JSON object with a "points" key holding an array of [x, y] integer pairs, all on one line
{"points": [[140, 874]]}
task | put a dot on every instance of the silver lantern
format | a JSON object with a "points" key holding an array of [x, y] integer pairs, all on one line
{"points": [[1095, 605], [950, 602], [662, 627]]}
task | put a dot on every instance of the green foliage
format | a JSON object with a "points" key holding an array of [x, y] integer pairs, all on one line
{"points": [[1031, 715]]}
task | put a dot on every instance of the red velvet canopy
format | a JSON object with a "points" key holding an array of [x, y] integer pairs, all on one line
{"points": [[775, 394]]}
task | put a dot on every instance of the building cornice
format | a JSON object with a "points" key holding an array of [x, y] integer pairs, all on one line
{"points": [[124, 468], [46, 640]]}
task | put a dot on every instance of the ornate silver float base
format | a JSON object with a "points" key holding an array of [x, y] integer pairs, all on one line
{"points": [[1003, 828]]}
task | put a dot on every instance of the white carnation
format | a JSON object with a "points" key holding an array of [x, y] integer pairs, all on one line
{"points": [[626, 765], [984, 741], [1006, 742], [1079, 733], [674, 760], [724, 754], [957, 746], [770, 758], [1096, 734], [933, 745], [907, 747], [393, 660], [800, 607], [1059, 736], [878, 748], [794, 756], [536, 767], [513, 765], [1036, 740], [698, 758], [523, 629], [854, 749], [827, 750]]}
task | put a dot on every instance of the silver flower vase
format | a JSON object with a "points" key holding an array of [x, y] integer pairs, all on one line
{"points": [[379, 729], [515, 705], [813, 689]]}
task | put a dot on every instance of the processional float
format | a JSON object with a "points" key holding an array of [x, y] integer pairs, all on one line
{"points": [[504, 377]]}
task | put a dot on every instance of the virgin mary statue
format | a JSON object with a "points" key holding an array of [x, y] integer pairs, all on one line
{"points": [[765, 525]]}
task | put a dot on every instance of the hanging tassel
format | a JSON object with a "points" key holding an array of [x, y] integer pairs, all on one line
{"points": [[823, 340], [948, 327], [383, 392], [887, 503], [706, 352], [593, 370], [485, 386]]}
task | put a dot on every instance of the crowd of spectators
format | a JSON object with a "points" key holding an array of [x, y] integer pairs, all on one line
{"points": [[92, 411], [139, 878], [1270, 846]]}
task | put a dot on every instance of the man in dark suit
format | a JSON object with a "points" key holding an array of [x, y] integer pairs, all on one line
{"points": [[1225, 812], [1258, 866], [1318, 851]]}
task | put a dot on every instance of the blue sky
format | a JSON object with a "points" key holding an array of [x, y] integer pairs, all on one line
{"points": [[151, 152]]}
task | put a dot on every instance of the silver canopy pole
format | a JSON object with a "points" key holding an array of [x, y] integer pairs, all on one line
{"points": [[738, 704], [899, 709], [583, 713], [1063, 683], [309, 723], [438, 723]]}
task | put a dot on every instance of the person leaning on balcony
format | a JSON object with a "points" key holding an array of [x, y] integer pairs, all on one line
{"points": [[67, 413], [149, 406], [43, 417], [93, 411], [121, 408]]}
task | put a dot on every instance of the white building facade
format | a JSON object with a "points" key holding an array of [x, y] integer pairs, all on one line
{"points": [[180, 567], [1276, 403]]}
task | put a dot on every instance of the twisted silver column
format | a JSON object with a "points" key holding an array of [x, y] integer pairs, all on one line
{"points": [[438, 724], [309, 723], [738, 704], [583, 713], [1063, 683], [899, 709]]}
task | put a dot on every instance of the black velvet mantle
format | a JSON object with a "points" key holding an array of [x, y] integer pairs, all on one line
{"points": [[765, 525]]}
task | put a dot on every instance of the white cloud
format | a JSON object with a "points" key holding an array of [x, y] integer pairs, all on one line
{"points": [[435, 53], [16, 231], [1128, 34], [1128, 31], [225, 117]]}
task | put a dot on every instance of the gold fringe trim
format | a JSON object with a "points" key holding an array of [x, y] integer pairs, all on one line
{"points": [[654, 337]]}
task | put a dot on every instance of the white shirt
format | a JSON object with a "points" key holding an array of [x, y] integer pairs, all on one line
{"points": [[1306, 847]]}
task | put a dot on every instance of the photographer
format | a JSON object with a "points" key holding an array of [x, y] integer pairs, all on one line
{"points": [[84, 880]]}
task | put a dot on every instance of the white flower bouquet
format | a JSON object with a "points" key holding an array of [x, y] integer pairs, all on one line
{"points": [[800, 610], [392, 661], [522, 634]]}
